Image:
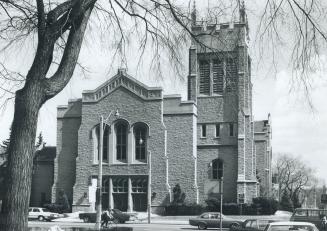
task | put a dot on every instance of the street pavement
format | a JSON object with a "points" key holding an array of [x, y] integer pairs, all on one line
{"points": [[45, 226], [73, 223]]}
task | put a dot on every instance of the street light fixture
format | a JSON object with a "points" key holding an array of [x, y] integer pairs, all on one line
{"points": [[99, 185]]}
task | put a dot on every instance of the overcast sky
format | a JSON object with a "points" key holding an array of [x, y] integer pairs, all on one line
{"points": [[297, 128]]}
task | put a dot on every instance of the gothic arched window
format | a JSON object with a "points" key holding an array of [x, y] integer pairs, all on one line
{"points": [[121, 141], [217, 169], [140, 135], [105, 147]]}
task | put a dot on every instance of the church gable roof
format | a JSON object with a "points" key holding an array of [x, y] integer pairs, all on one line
{"points": [[122, 79]]}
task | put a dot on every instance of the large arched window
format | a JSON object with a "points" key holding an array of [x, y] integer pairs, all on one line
{"points": [[121, 141], [140, 135], [217, 169], [105, 147]]}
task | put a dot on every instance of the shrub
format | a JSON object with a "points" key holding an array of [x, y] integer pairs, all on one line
{"points": [[184, 209], [286, 202], [265, 206], [178, 195], [213, 205], [56, 208]]}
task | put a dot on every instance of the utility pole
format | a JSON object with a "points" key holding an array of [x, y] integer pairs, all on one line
{"points": [[99, 184], [221, 203], [149, 188]]}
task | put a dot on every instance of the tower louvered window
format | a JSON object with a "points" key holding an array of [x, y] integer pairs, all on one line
{"points": [[204, 77], [218, 76], [231, 74]]}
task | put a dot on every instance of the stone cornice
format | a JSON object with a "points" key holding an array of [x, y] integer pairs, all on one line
{"points": [[122, 79]]}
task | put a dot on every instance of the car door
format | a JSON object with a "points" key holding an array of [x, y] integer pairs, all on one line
{"points": [[263, 223], [314, 217], [30, 213], [204, 219], [213, 221], [249, 224], [36, 212]]}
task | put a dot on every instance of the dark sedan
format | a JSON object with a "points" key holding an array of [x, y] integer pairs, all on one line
{"points": [[212, 220]]}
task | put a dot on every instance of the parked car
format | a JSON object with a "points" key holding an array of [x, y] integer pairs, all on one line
{"points": [[253, 225], [212, 220], [291, 226], [309, 215], [42, 214], [283, 214], [119, 217]]}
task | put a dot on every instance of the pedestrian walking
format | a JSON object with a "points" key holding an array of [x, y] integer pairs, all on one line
{"points": [[105, 217]]}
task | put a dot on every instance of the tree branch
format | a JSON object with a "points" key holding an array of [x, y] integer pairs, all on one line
{"points": [[41, 18], [54, 14], [69, 59]]}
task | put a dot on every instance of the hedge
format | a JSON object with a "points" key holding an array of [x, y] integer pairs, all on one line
{"points": [[260, 206]]}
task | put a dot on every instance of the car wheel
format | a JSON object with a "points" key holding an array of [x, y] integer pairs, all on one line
{"points": [[41, 218], [234, 226], [202, 226], [86, 219]]}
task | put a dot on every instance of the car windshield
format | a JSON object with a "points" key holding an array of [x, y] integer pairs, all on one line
{"points": [[292, 228], [301, 213], [205, 216], [46, 210]]}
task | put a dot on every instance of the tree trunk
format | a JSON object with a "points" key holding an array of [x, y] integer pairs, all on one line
{"points": [[14, 215], [37, 89]]}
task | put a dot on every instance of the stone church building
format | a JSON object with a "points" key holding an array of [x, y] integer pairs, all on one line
{"points": [[147, 135]]}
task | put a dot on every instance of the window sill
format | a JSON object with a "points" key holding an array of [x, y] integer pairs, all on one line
{"points": [[135, 162], [203, 137], [103, 163], [210, 96], [119, 163], [217, 137]]}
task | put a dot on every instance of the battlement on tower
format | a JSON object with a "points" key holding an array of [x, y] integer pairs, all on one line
{"points": [[222, 37]]}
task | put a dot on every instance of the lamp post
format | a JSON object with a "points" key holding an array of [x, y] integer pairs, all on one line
{"points": [[99, 184], [149, 188], [221, 181]]}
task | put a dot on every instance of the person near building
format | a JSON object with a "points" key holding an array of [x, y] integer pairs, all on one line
{"points": [[323, 224], [105, 217]]}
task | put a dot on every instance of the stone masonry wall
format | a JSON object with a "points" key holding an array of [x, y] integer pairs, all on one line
{"points": [[180, 153], [132, 109], [260, 147], [207, 186], [68, 122]]}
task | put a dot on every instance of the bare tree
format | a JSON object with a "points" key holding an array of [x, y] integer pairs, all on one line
{"points": [[294, 177], [298, 25], [59, 27]]}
